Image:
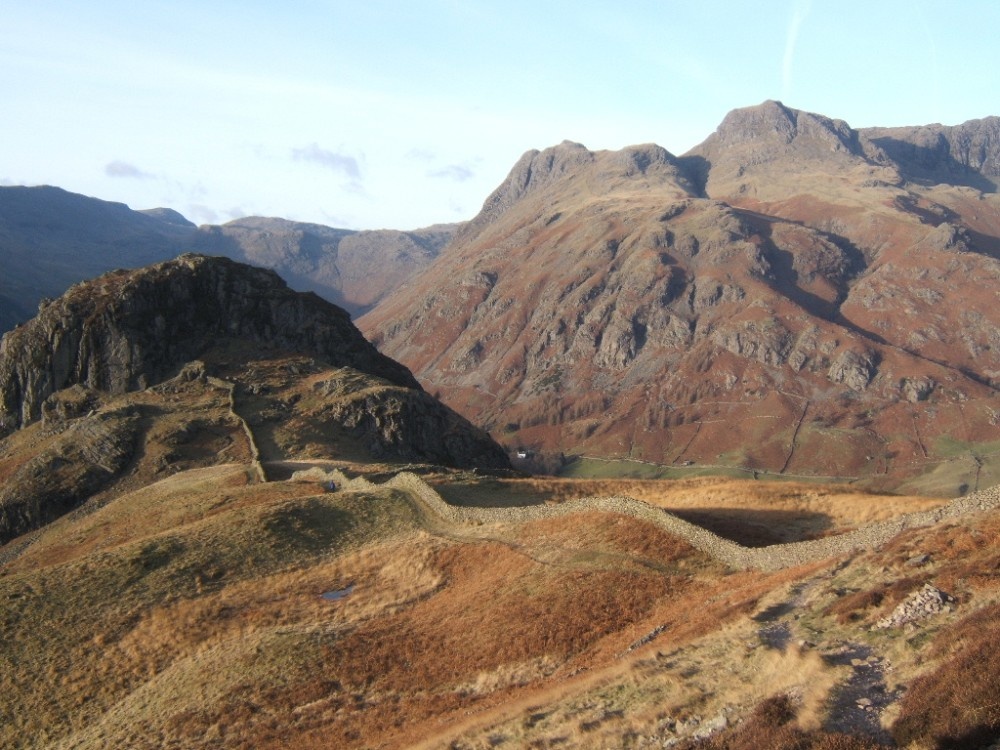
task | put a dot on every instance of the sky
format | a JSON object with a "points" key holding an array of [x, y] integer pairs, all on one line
{"points": [[370, 114]]}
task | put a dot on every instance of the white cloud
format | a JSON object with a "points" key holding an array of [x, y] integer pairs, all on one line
{"points": [[327, 159], [456, 172], [800, 9], [125, 170]]}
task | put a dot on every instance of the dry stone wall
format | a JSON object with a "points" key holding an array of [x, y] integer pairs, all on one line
{"points": [[774, 557], [255, 463]]}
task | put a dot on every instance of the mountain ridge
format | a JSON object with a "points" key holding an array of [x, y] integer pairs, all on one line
{"points": [[778, 267], [51, 238]]}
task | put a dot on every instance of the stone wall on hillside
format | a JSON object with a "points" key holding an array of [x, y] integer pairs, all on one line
{"points": [[774, 557]]}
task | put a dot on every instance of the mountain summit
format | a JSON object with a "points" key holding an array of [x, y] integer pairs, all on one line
{"points": [[777, 299]]}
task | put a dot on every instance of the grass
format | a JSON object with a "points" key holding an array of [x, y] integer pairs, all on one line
{"points": [[957, 705], [84, 623], [957, 467], [200, 622], [749, 511], [201, 615], [773, 725]]}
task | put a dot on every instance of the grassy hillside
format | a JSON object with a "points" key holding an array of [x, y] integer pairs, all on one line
{"points": [[191, 613]]}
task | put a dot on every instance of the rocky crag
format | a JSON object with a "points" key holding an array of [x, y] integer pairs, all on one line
{"points": [[194, 362], [129, 330], [791, 295]]}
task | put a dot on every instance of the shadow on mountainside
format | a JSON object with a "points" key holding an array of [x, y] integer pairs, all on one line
{"points": [[758, 528], [932, 165]]}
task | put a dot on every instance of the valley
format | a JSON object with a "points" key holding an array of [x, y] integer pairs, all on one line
{"points": [[693, 451]]}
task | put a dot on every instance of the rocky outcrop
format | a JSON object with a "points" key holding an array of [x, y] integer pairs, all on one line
{"points": [[128, 330], [944, 153], [854, 368], [402, 424], [537, 170], [921, 604], [87, 455], [751, 138]]}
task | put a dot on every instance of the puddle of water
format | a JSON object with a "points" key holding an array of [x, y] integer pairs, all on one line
{"points": [[334, 596]]}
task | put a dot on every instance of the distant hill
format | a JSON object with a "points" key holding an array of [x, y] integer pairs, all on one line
{"points": [[354, 269], [792, 295], [51, 239]]}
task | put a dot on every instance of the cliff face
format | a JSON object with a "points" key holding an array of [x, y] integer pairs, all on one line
{"points": [[964, 153], [130, 329]]}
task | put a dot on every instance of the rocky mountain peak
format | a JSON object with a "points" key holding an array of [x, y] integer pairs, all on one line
{"points": [[774, 123], [534, 169], [571, 169], [130, 329], [772, 141]]}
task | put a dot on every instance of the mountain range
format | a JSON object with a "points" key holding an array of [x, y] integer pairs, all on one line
{"points": [[228, 520], [51, 239], [791, 296]]}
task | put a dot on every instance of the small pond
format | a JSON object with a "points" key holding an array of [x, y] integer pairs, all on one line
{"points": [[337, 595]]}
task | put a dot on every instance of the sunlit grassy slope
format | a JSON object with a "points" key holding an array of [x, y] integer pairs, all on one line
{"points": [[189, 613]]}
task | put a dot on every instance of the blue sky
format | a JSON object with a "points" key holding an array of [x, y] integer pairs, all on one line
{"points": [[386, 114]]}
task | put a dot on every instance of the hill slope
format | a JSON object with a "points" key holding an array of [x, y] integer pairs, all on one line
{"points": [[188, 363], [785, 297], [50, 239], [353, 269], [204, 611]]}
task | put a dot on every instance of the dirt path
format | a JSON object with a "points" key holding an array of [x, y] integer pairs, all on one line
{"points": [[858, 703]]}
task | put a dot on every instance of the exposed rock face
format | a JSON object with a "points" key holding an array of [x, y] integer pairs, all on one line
{"points": [[85, 457], [785, 279], [537, 170], [401, 424], [947, 153], [129, 330], [752, 140]]}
